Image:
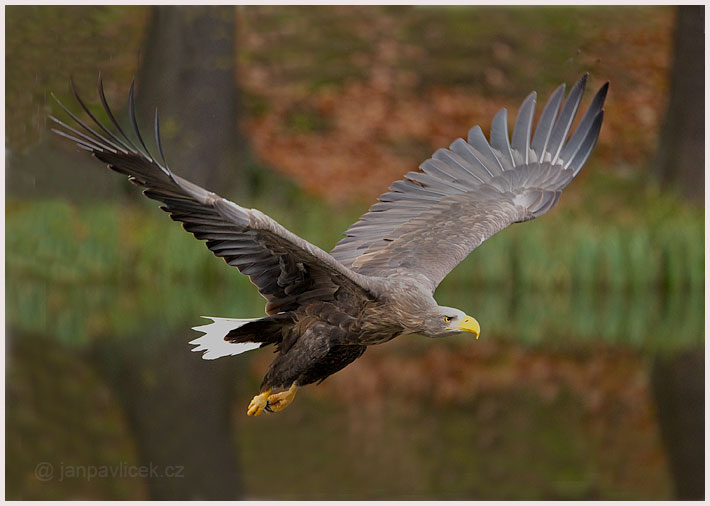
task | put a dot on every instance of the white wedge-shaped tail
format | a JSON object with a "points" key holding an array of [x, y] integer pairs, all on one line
{"points": [[213, 343]]}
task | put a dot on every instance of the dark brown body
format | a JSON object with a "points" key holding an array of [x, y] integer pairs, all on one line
{"points": [[317, 340]]}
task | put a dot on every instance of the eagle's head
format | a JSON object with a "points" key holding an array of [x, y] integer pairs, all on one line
{"points": [[445, 321]]}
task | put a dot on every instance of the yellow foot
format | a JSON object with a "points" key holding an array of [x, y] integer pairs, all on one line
{"points": [[258, 403], [277, 402]]}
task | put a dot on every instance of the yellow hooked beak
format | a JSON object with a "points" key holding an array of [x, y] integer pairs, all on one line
{"points": [[468, 324]]}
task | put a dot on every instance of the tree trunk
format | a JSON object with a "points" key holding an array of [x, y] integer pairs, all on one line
{"points": [[680, 162], [679, 391], [178, 409], [176, 403], [679, 381], [188, 73]]}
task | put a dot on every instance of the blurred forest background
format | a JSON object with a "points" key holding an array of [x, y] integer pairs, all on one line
{"points": [[588, 379]]}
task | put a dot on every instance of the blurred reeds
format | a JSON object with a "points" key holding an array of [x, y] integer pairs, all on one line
{"points": [[84, 271]]}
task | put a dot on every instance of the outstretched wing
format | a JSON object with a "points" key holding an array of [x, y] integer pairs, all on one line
{"points": [[433, 219], [286, 269]]}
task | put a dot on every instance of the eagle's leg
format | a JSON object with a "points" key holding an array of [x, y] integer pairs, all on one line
{"points": [[278, 401], [258, 403]]}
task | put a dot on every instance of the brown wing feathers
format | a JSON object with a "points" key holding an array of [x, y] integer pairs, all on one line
{"points": [[286, 273]]}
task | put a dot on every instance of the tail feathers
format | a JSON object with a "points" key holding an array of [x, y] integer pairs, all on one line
{"points": [[213, 341]]}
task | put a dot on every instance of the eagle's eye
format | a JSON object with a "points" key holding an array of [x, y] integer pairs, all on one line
{"points": [[448, 319]]}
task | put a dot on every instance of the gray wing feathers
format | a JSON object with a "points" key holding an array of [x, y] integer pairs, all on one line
{"points": [[286, 269], [564, 122], [463, 153], [459, 222], [478, 142], [431, 220], [523, 129], [587, 144], [585, 130], [546, 123], [499, 139]]}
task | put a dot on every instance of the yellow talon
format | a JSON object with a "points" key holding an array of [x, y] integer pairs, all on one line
{"points": [[258, 403], [278, 401]]}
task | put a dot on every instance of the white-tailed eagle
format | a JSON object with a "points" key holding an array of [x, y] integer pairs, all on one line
{"points": [[324, 309]]}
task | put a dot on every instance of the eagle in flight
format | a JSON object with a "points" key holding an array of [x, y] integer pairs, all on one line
{"points": [[324, 309]]}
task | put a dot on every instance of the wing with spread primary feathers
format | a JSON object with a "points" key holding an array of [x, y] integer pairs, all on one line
{"points": [[286, 269], [430, 221]]}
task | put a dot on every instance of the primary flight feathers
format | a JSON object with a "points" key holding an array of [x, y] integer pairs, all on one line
{"points": [[466, 193], [270, 255]]}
